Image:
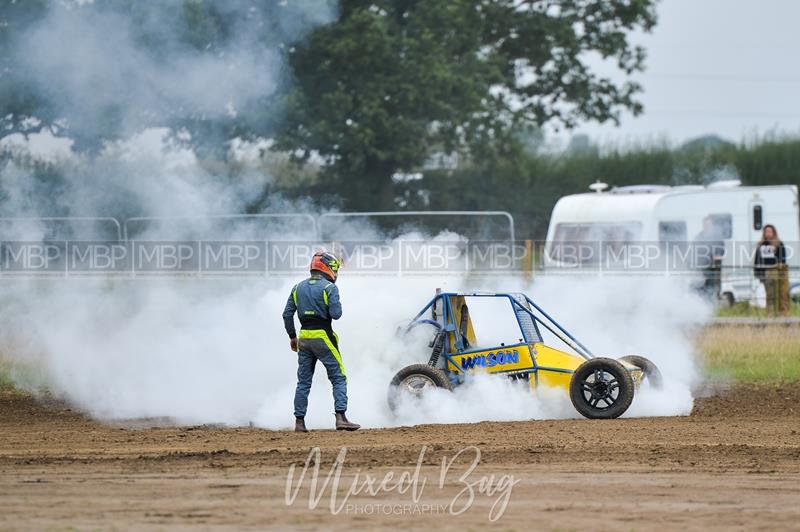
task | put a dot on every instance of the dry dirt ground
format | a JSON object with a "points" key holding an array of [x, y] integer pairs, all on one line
{"points": [[733, 464]]}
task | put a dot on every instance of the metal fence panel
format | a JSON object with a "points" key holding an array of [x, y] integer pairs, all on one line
{"points": [[307, 220], [330, 215], [112, 226]]}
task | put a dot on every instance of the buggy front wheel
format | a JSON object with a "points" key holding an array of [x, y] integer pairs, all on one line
{"points": [[601, 388]]}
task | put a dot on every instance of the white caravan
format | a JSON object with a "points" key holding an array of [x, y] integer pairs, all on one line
{"points": [[651, 228]]}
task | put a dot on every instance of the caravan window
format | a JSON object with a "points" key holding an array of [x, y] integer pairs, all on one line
{"points": [[672, 231], [580, 243], [758, 218]]}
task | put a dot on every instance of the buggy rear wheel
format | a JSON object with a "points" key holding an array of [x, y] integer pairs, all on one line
{"points": [[414, 380], [650, 371], [601, 388]]}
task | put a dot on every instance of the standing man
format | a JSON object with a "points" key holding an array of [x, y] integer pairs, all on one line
{"points": [[709, 248], [316, 301]]}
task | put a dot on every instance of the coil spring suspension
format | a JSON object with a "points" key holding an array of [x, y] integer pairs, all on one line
{"points": [[438, 348]]}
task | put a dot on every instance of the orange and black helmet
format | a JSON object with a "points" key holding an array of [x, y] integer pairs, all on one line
{"points": [[325, 263]]}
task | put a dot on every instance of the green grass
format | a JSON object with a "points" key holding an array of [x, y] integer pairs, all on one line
{"points": [[751, 354], [744, 310], [6, 383], [18, 378]]}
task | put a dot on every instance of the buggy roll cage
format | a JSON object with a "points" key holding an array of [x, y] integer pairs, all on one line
{"points": [[521, 311]]}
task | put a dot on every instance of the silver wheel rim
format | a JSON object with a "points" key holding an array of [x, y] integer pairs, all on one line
{"points": [[417, 384]]}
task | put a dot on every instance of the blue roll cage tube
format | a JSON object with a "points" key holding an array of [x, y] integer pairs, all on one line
{"points": [[551, 324]]}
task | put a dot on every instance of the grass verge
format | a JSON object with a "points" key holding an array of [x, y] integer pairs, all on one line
{"points": [[751, 354], [19, 379], [6, 383], [745, 310]]}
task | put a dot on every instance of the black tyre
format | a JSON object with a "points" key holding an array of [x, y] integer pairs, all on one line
{"points": [[413, 380], [728, 299], [651, 372], [601, 388]]}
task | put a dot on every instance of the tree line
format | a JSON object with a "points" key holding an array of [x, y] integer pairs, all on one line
{"points": [[528, 183]]}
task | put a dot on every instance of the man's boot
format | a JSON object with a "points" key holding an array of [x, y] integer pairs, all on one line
{"points": [[300, 425], [343, 424]]}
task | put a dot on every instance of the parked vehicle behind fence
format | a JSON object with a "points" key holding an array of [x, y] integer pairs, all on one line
{"points": [[656, 229]]}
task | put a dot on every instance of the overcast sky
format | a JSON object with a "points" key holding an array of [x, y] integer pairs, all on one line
{"points": [[728, 67]]}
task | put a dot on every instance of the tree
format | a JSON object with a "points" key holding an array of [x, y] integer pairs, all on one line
{"points": [[391, 80]]}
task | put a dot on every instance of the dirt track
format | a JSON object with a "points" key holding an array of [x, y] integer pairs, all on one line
{"points": [[735, 463]]}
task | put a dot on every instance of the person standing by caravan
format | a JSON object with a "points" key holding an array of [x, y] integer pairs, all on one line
{"points": [[709, 247], [771, 269]]}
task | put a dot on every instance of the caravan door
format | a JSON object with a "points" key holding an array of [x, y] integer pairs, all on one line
{"points": [[755, 219]]}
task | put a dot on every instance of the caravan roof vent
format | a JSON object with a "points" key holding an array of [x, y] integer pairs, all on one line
{"points": [[598, 186], [725, 183], [640, 189]]}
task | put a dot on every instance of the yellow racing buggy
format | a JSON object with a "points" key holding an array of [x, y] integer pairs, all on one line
{"points": [[599, 387]]}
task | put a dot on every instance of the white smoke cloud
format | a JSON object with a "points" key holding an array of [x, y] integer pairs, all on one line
{"points": [[201, 351], [214, 351]]}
